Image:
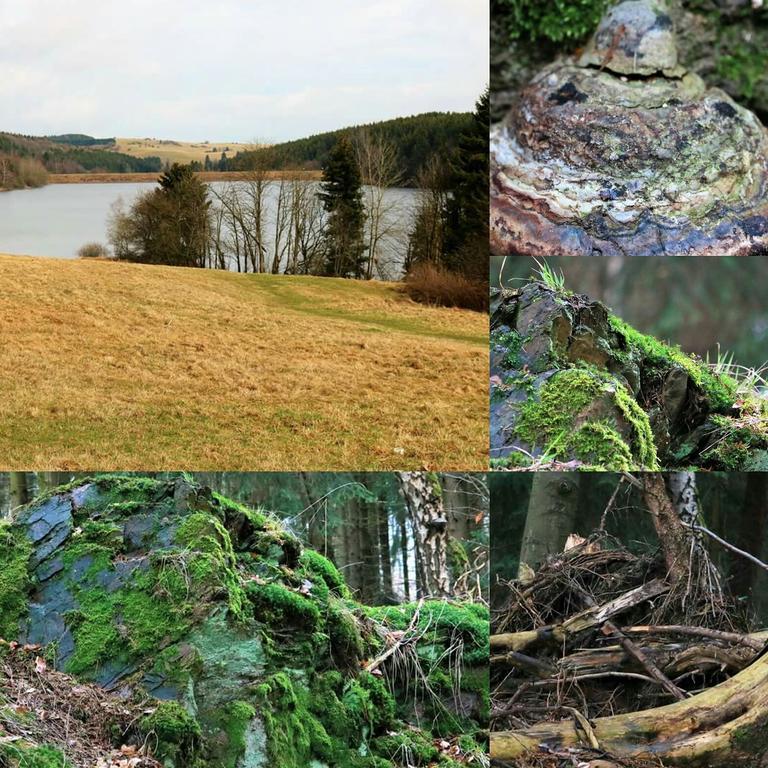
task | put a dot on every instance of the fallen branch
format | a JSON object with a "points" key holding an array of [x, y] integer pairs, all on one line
{"points": [[404, 638], [587, 619]]}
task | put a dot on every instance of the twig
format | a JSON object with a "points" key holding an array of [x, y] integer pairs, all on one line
{"points": [[730, 546], [712, 634], [404, 638]]}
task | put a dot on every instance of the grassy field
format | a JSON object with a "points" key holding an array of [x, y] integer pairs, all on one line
{"points": [[178, 151], [125, 366]]}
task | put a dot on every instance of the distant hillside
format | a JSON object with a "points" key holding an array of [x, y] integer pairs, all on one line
{"points": [[81, 140], [68, 154], [416, 138]]}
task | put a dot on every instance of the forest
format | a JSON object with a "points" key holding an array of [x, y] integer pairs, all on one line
{"points": [[628, 616], [574, 385], [194, 619], [65, 154], [415, 139]]}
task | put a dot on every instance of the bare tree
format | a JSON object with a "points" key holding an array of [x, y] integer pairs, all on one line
{"points": [[427, 237], [379, 168]]}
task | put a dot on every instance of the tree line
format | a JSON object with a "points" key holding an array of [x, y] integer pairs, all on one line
{"points": [[415, 139], [74, 155], [344, 226]]}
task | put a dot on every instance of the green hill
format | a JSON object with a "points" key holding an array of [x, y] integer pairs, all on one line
{"points": [[69, 153], [416, 137]]}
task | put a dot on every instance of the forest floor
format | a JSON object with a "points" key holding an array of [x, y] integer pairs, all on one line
{"points": [[174, 367]]}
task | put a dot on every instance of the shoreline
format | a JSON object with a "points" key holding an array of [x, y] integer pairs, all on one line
{"points": [[117, 178]]}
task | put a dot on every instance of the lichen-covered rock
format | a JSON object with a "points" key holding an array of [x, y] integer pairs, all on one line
{"points": [[623, 152], [248, 647], [573, 384]]}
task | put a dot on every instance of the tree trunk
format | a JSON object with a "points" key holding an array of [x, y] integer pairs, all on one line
{"points": [[551, 516], [719, 728], [404, 556], [384, 551], [749, 534], [423, 499], [20, 494]]}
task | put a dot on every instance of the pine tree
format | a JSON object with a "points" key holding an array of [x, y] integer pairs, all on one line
{"points": [[466, 239], [342, 198]]}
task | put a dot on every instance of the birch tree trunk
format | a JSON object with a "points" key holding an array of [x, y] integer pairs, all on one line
{"points": [[423, 499]]}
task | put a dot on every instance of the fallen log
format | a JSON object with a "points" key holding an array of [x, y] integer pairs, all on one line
{"points": [[587, 619], [714, 729]]}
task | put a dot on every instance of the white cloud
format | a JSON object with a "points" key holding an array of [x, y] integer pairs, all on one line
{"points": [[234, 69]]}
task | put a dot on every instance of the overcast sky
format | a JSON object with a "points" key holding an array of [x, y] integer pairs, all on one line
{"points": [[235, 70]]}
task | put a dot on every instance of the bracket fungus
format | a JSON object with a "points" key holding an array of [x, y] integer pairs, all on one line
{"points": [[620, 150]]}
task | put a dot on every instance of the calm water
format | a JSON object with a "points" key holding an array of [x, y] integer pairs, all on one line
{"points": [[58, 219]]}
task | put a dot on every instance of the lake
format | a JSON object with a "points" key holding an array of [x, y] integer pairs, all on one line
{"points": [[56, 220]]}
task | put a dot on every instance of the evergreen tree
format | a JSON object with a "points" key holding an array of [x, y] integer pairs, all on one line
{"points": [[466, 226], [207, 164], [342, 198], [169, 225]]}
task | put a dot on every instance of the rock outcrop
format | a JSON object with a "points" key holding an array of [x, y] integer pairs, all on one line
{"points": [[573, 384], [620, 150], [247, 648]]}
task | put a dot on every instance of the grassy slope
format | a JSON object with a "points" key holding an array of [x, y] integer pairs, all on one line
{"points": [[178, 151], [142, 367]]}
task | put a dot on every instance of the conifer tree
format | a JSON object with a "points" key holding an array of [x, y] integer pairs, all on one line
{"points": [[466, 239], [342, 198]]}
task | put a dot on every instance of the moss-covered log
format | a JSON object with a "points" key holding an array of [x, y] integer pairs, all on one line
{"points": [[719, 728]]}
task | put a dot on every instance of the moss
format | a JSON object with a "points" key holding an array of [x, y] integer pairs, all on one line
{"points": [[213, 562], [20, 755], [278, 605], [172, 733], [442, 622], [513, 460], [512, 344], [407, 748], [321, 568], [344, 636], [599, 445], [294, 734], [549, 420], [556, 21], [720, 390], [15, 550]]}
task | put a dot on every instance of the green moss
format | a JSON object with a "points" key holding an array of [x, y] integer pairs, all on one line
{"points": [[21, 755], [720, 390], [15, 550], [407, 748], [549, 421], [556, 21], [346, 642], [277, 605], [321, 568], [172, 733], [512, 344]]}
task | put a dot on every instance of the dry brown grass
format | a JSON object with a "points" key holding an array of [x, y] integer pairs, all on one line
{"points": [[430, 284], [179, 151], [123, 366]]}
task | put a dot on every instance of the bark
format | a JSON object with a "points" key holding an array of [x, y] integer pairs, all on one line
{"points": [[423, 499], [715, 729], [20, 491], [669, 511], [384, 550], [551, 516], [404, 557], [749, 529]]}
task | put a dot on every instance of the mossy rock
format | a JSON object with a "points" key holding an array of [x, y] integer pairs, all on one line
{"points": [[573, 384], [247, 648]]}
